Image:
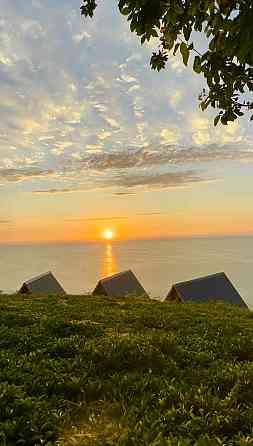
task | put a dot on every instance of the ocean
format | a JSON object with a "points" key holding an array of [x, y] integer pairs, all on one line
{"points": [[157, 263]]}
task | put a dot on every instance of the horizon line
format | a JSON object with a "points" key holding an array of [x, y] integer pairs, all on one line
{"points": [[106, 242]]}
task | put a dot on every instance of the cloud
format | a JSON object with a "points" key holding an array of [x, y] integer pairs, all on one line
{"points": [[104, 135], [203, 131], [158, 181], [201, 137], [170, 135], [81, 36], [69, 112], [152, 213], [164, 154], [112, 122], [94, 147], [161, 166], [233, 133], [97, 219], [127, 78], [54, 191], [175, 97], [16, 175], [134, 88], [123, 193], [5, 222], [199, 122], [147, 214]]}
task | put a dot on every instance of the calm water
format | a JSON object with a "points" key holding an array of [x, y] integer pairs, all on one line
{"points": [[157, 264]]}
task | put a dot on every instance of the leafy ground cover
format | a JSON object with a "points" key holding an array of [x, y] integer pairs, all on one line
{"points": [[88, 371]]}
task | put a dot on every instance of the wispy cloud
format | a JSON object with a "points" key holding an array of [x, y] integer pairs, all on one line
{"points": [[92, 219], [160, 166], [5, 222], [159, 180], [16, 175], [97, 219], [123, 193], [152, 213], [164, 154], [55, 191]]}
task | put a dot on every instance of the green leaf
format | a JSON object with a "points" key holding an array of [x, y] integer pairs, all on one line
{"points": [[176, 48], [158, 61], [125, 10], [204, 104], [197, 64], [187, 32], [184, 50], [154, 33], [216, 120]]}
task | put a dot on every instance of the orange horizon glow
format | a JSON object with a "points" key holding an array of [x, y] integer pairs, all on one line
{"points": [[132, 228], [35, 241], [172, 237]]}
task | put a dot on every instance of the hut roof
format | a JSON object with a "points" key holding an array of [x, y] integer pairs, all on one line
{"points": [[122, 284], [44, 284], [214, 287]]}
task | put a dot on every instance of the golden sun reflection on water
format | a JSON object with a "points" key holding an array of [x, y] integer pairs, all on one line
{"points": [[109, 266]]}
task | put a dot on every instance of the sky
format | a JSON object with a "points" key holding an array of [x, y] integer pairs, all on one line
{"points": [[92, 139]]}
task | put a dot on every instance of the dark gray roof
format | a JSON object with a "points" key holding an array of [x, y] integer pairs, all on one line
{"points": [[214, 287], [120, 285], [44, 284]]}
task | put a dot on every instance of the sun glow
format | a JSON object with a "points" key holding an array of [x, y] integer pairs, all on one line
{"points": [[108, 234]]}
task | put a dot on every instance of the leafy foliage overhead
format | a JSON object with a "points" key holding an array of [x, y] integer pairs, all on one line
{"points": [[227, 60]]}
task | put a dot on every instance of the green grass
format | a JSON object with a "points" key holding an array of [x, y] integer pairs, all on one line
{"points": [[90, 371]]}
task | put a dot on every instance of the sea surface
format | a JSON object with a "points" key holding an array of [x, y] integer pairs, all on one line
{"points": [[157, 263]]}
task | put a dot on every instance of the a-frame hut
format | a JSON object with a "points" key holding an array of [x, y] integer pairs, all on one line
{"points": [[123, 284], [214, 287], [44, 284]]}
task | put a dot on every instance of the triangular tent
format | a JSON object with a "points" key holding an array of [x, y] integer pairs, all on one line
{"points": [[44, 284], [214, 287], [124, 284]]}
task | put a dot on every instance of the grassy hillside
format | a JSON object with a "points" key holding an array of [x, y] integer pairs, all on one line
{"points": [[91, 371]]}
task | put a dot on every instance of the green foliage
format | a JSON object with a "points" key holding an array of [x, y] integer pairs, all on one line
{"points": [[83, 371], [227, 61]]}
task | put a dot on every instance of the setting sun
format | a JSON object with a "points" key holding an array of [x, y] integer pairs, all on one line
{"points": [[108, 234]]}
